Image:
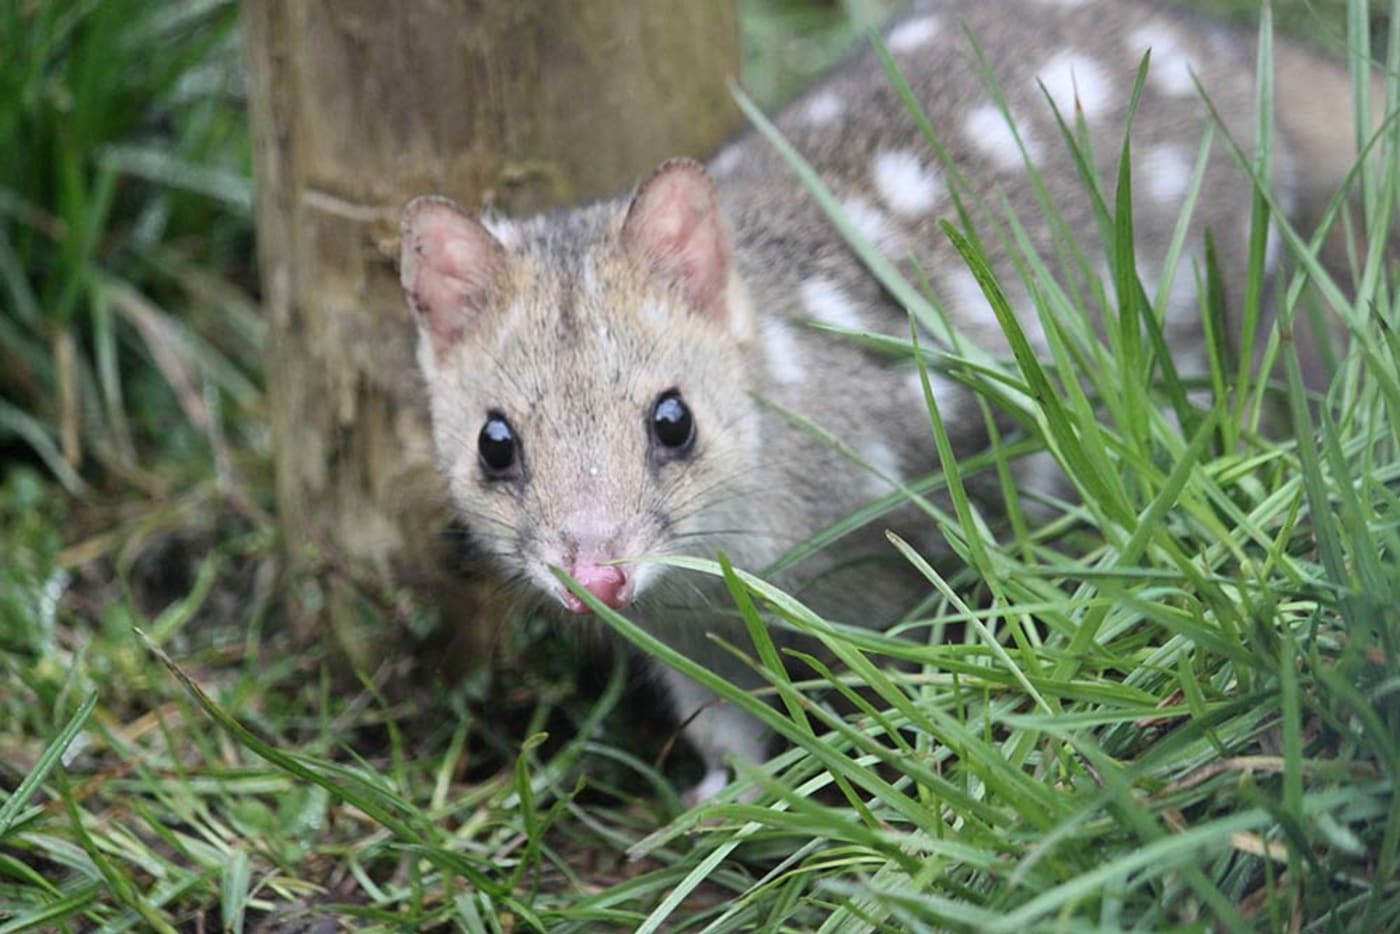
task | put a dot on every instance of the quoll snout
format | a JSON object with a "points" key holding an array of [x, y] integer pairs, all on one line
{"points": [[592, 548], [610, 583]]}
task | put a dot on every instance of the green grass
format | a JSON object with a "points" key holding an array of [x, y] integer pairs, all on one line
{"points": [[1175, 703], [124, 197]]}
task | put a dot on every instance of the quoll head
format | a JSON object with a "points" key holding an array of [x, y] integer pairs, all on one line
{"points": [[589, 399]]}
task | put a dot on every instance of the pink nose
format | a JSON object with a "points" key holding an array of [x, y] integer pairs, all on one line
{"points": [[607, 582]]}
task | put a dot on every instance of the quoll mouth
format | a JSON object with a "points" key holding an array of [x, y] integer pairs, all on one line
{"points": [[611, 584]]}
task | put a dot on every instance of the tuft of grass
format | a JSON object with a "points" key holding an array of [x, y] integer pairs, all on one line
{"points": [[123, 167]]}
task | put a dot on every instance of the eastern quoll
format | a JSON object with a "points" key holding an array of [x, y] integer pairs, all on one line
{"points": [[608, 382]]}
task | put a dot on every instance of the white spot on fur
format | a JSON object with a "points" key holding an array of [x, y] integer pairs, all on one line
{"points": [[947, 393], [1285, 180], [886, 474], [969, 306], [1039, 477], [912, 34], [1273, 246], [1181, 294], [823, 108], [1166, 174], [712, 783], [872, 224], [1071, 76], [826, 302], [1027, 316], [916, 385], [965, 299], [783, 353], [987, 130], [1172, 62], [727, 161], [1040, 473], [904, 184]]}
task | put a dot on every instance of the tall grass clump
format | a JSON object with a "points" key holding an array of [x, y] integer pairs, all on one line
{"points": [[129, 344], [124, 203], [129, 362]]}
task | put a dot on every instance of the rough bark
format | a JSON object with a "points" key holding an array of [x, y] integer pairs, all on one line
{"points": [[358, 105]]}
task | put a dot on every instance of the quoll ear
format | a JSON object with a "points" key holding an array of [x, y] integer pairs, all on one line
{"points": [[450, 267], [675, 224]]}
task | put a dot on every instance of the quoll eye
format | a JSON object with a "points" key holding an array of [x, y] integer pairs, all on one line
{"points": [[497, 444], [671, 422]]}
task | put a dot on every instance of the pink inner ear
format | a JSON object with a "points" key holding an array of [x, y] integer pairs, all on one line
{"points": [[677, 226], [449, 266]]}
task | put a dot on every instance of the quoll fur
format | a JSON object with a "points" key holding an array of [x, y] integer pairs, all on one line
{"points": [[551, 345]]}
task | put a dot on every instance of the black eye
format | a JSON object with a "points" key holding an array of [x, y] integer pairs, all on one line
{"points": [[497, 444], [671, 422]]}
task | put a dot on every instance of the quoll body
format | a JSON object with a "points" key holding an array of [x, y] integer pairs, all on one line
{"points": [[614, 381]]}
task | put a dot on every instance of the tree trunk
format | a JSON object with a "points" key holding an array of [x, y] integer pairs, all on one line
{"points": [[358, 105]]}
